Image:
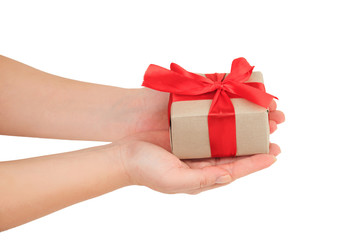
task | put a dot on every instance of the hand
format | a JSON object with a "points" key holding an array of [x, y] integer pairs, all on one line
{"points": [[150, 165], [153, 166]]}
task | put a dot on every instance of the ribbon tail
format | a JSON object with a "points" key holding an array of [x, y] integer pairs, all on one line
{"points": [[253, 94]]}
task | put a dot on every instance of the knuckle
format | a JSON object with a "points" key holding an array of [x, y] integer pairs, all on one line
{"points": [[203, 182]]}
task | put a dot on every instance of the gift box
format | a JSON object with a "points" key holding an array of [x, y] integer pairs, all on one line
{"points": [[214, 115]]}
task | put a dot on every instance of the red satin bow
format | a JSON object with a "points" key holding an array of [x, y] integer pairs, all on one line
{"points": [[184, 85]]}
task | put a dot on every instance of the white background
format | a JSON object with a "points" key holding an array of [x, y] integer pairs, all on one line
{"points": [[309, 54]]}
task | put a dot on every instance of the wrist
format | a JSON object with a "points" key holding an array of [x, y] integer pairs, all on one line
{"points": [[119, 154], [134, 111], [122, 114], [115, 156]]}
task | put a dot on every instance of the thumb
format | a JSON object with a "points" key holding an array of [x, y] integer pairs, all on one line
{"points": [[192, 179]]}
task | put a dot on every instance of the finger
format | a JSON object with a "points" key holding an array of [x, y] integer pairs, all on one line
{"points": [[191, 179], [272, 106], [206, 162], [246, 166], [274, 149], [273, 126], [200, 190], [277, 116], [234, 170], [241, 168]]}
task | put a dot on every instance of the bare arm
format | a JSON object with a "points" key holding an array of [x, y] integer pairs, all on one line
{"points": [[31, 188], [37, 104]]}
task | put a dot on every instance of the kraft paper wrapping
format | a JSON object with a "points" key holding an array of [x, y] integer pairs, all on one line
{"points": [[189, 127]]}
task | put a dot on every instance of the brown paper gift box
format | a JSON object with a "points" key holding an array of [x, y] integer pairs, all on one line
{"points": [[189, 127]]}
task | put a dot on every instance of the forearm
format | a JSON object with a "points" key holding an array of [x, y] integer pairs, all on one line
{"points": [[34, 187], [37, 104]]}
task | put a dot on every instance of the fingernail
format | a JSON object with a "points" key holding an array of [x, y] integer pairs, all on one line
{"points": [[224, 179], [275, 159]]}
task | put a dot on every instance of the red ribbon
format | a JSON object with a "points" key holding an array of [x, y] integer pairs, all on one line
{"points": [[184, 85]]}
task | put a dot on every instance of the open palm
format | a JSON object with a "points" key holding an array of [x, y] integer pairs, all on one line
{"points": [[151, 165]]}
